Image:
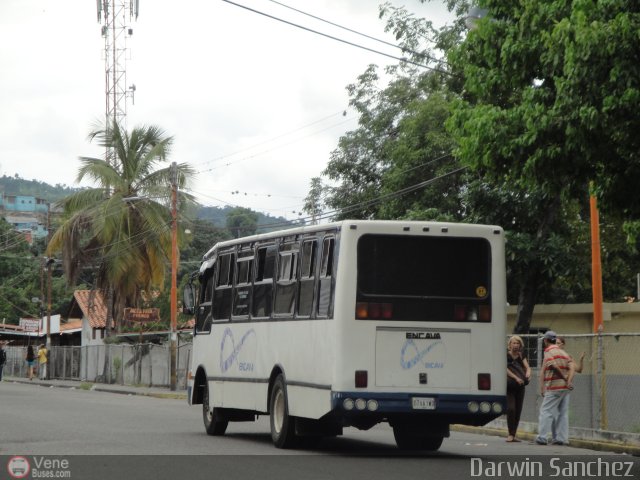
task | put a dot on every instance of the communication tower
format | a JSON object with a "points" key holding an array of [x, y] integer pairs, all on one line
{"points": [[116, 17]]}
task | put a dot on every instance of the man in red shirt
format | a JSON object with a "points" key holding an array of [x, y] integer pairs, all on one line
{"points": [[556, 377]]}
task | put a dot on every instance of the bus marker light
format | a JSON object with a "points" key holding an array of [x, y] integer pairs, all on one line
{"points": [[348, 404], [484, 381], [484, 314], [387, 311], [362, 310], [485, 407], [361, 404], [497, 407], [372, 405], [473, 407], [361, 378], [473, 314]]}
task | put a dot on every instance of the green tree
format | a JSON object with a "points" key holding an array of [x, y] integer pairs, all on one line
{"points": [[313, 202], [122, 227], [541, 108], [242, 222]]}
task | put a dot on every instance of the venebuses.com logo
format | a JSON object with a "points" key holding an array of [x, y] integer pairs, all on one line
{"points": [[38, 467]]}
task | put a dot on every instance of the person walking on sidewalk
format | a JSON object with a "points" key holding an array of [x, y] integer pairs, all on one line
{"points": [[42, 362], [3, 358], [556, 377]]}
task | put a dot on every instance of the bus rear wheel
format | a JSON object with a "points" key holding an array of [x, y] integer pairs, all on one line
{"points": [[211, 417], [408, 439], [283, 431]]}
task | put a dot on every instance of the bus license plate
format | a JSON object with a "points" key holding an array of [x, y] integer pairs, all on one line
{"points": [[423, 403]]}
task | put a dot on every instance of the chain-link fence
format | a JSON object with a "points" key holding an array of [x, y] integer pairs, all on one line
{"points": [[124, 364], [605, 394]]}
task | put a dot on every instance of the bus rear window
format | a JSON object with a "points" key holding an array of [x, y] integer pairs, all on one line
{"points": [[424, 276]]}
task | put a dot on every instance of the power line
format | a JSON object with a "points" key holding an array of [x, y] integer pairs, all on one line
{"points": [[400, 59], [263, 152], [404, 49], [222, 157]]}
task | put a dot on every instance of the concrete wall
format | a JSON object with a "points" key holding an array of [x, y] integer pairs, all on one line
{"points": [[578, 318]]}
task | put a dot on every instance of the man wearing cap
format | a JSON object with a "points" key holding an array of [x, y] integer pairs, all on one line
{"points": [[556, 377]]}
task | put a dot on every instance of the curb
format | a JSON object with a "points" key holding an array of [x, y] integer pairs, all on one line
{"points": [[96, 388], [575, 442]]}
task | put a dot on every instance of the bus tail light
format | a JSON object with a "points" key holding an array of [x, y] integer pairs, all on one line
{"points": [[484, 381], [374, 311], [484, 313], [361, 379], [472, 313]]}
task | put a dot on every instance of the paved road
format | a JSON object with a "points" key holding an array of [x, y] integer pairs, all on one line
{"points": [[36, 420]]}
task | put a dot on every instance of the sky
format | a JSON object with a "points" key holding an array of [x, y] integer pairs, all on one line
{"points": [[254, 105]]}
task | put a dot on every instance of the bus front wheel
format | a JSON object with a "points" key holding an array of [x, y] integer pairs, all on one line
{"points": [[283, 432], [409, 439], [211, 417]]}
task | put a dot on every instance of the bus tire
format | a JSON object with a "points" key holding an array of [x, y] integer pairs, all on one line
{"points": [[283, 432], [211, 417], [406, 439]]}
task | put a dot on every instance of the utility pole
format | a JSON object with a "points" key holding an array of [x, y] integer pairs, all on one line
{"points": [[596, 266], [48, 267], [174, 273]]}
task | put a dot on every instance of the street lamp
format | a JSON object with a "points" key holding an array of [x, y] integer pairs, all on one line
{"points": [[474, 15]]}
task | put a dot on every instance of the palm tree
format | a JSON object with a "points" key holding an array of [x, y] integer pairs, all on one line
{"points": [[122, 227]]}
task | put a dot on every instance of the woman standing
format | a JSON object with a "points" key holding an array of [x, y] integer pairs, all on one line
{"points": [[31, 361], [518, 376]]}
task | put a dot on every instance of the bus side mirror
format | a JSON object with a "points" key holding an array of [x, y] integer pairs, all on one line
{"points": [[188, 299]]}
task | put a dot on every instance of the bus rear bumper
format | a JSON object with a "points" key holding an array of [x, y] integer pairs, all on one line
{"points": [[472, 409]]}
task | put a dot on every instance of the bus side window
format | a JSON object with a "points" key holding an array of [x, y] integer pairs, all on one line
{"points": [[306, 288], [242, 289], [286, 283], [325, 294], [203, 314], [224, 287], [262, 301]]}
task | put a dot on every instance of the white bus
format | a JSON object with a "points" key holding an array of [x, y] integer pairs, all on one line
{"points": [[352, 324]]}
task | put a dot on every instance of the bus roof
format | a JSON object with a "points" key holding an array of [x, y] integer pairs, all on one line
{"points": [[340, 225]]}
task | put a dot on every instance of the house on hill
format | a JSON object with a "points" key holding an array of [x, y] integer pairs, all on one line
{"points": [[28, 215]]}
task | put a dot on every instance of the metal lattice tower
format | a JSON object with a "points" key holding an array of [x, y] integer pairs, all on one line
{"points": [[115, 17]]}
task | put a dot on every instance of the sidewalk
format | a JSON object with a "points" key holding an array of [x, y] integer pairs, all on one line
{"points": [[158, 392]]}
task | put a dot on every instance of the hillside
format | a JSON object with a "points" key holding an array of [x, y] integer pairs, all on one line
{"points": [[53, 193], [19, 186]]}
